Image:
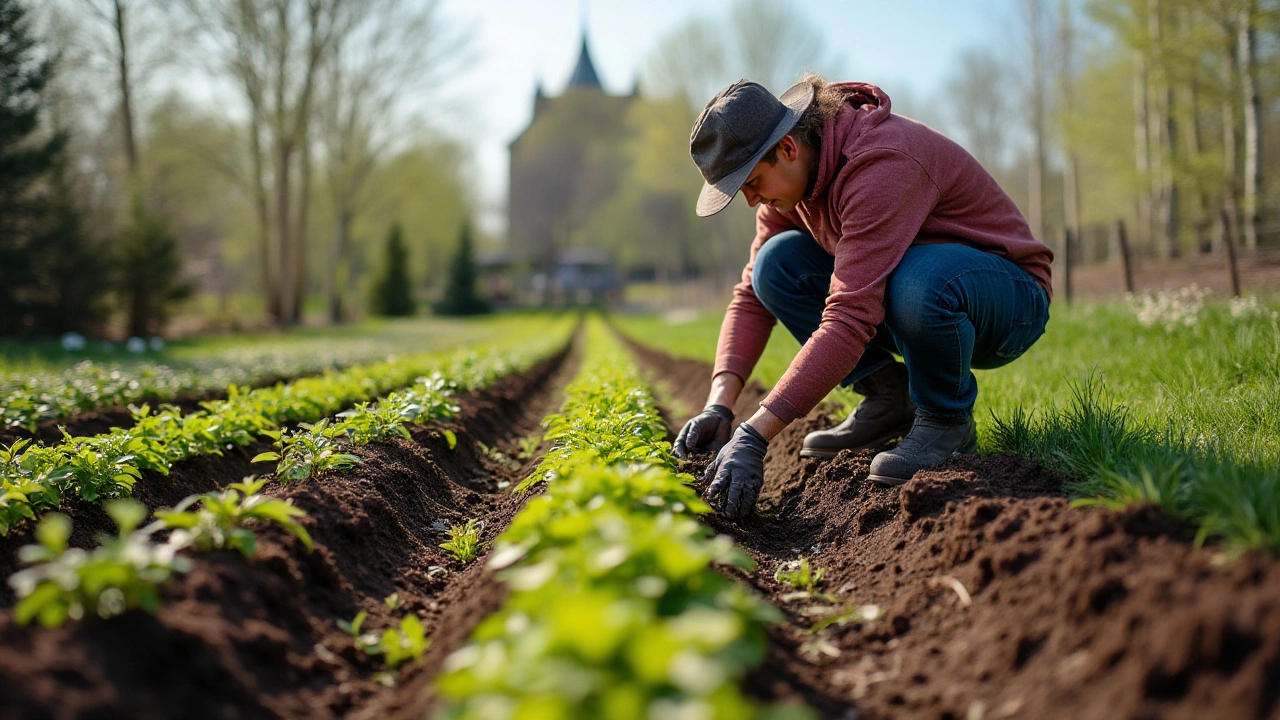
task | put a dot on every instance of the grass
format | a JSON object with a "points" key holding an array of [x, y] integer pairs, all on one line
{"points": [[1188, 418]]}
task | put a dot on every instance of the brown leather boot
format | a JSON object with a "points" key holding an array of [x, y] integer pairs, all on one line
{"points": [[886, 412]]}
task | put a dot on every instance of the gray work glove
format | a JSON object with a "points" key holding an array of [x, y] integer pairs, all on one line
{"points": [[737, 473], [708, 430]]}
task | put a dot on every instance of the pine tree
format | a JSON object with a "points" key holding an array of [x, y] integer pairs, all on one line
{"points": [[150, 278], [460, 296], [393, 295], [51, 275], [72, 270]]}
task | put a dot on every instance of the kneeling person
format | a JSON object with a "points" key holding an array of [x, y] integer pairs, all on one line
{"points": [[876, 238]]}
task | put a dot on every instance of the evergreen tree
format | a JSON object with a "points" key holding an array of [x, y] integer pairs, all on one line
{"points": [[393, 295], [51, 275], [460, 296], [150, 278], [72, 271]]}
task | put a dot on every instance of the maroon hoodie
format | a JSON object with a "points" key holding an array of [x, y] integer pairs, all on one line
{"points": [[884, 183]]}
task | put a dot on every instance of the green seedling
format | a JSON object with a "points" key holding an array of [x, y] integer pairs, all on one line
{"points": [[308, 451], [69, 583], [799, 574], [464, 541], [848, 614], [364, 424], [407, 641], [529, 446], [31, 479], [392, 601], [221, 521]]}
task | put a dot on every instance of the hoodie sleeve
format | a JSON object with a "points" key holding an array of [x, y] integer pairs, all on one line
{"points": [[882, 199], [747, 324]]}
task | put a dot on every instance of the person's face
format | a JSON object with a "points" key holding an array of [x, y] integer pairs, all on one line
{"points": [[780, 185]]}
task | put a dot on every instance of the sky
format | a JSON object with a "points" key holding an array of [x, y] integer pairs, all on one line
{"points": [[905, 46]]}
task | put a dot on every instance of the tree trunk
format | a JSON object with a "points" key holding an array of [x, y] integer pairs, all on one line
{"points": [[126, 93], [337, 263], [1142, 144], [1252, 118], [1067, 89], [1036, 180], [1161, 131], [1229, 242], [1194, 139], [299, 259], [1230, 149], [284, 231]]}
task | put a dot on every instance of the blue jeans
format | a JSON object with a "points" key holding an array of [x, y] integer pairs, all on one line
{"points": [[948, 308]]}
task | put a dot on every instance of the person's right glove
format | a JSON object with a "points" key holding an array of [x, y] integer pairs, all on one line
{"points": [[737, 473], [708, 430]]}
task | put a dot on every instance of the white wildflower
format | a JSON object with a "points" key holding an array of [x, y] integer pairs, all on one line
{"points": [[1245, 307], [1170, 309]]}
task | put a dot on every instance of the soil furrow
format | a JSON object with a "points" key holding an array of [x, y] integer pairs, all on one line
{"points": [[258, 637], [996, 598]]}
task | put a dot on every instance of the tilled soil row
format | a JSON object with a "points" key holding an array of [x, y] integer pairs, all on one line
{"points": [[258, 637], [996, 599]]}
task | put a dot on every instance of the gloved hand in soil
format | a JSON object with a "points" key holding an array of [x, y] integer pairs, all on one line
{"points": [[737, 473], [708, 430]]}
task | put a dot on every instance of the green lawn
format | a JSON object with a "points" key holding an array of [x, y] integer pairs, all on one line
{"points": [[1188, 416]]}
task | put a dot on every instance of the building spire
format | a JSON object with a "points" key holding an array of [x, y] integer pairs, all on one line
{"points": [[584, 73]]}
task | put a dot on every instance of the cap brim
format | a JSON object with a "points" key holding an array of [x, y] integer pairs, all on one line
{"points": [[716, 197]]}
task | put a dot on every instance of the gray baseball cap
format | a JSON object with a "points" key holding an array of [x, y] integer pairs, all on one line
{"points": [[733, 133]]}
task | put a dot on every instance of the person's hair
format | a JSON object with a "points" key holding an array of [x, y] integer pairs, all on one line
{"points": [[827, 101]]}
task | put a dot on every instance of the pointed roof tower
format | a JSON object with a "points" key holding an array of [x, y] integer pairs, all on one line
{"points": [[584, 74]]}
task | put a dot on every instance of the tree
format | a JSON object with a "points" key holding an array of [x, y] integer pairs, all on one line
{"points": [[460, 289], [981, 106], [768, 42], [51, 276], [150, 279], [275, 51], [393, 294], [400, 49]]}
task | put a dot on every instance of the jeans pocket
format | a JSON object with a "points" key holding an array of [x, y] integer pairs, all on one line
{"points": [[1027, 328]]}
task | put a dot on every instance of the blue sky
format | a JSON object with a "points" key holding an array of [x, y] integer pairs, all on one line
{"points": [[906, 46]]}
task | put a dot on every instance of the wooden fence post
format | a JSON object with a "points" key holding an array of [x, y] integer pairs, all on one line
{"points": [[1229, 242], [1122, 239], [1066, 262]]}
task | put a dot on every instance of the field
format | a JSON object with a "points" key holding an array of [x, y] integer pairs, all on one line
{"points": [[490, 524]]}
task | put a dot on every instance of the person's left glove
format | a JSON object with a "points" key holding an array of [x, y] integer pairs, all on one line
{"points": [[737, 473]]}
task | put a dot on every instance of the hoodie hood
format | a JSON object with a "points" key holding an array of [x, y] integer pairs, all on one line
{"points": [[865, 106]]}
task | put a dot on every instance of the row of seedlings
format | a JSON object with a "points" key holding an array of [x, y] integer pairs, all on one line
{"points": [[34, 478], [29, 397], [126, 571], [31, 392], [615, 609]]}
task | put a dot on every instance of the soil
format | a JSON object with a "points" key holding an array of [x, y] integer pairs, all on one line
{"points": [[996, 598], [258, 637]]}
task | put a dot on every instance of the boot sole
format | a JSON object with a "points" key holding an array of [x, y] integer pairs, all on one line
{"points": [[828, 454]]}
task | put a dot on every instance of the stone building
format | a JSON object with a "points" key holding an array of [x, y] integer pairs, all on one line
{"points": [[566, 163]]}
